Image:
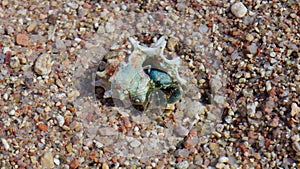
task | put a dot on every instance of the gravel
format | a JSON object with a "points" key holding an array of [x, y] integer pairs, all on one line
{"points": [[239, 109]]}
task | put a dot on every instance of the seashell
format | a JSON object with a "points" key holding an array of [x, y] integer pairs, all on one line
{"points": [[148, 79]]}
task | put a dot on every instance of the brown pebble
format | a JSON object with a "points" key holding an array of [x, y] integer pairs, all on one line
{"points": [[274, 121], [52, 19], [86, 5], [74, 164], [69, 148], [230, 50], [21, 164], [43, 16], [127, 122], [114, 159], [22, 39], [42, 127]]}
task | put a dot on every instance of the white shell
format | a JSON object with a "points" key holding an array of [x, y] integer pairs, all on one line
{"points": [[124, 80]]}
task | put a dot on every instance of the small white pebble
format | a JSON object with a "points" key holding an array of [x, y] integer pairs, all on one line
{"points": [[5, 96], [5, 143], [12, 112], [268, 86], [61, 120], [295, 110], [98, 144], [6, 49], [77, 40], [272, 54], [223, 159], [56, 161]]}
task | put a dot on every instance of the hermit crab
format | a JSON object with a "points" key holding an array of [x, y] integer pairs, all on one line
{"points": [[148, 80]]}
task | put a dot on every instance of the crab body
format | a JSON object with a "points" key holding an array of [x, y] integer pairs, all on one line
{"points": [[164, 82]]}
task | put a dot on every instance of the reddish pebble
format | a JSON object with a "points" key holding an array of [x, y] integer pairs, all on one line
{"points": [[230, 50], [179, 159], [7, 57], [86, 5], [127, 123], [74, 164], [43, 127], [21, 164], [22, 39], [267, 142], [244, 148]]}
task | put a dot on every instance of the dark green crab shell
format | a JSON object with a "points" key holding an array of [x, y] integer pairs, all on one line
{"points": [[161, 80]]}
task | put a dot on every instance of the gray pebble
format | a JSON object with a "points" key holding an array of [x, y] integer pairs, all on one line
{"points": [[43, 64], [252, 48], [182, 165], [238, 9]]}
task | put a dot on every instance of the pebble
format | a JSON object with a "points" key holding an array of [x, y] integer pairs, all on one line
{"points": [[51, 19], [109, 27], [43, 64], [239, 9], [203, 29], [75, 125], [274, 121], [6, 49], [5, 143], [33, 160], [172, 42], [47, 160], [252, 48], [14, 62], [295, 110], [4, 3], [72, 5], [135, 143], [249, 37], [220, 165], [42, 127], [69, 148], [56, 161], [98, 144], [31, 26], [22, 39], [182, 165], [61, 120], [181, 131], [268, 86], [12, 112], [107, 131], [105, 166], [223, 159], [74, 164], [5, 96], [60, 44], [251, 109]]}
